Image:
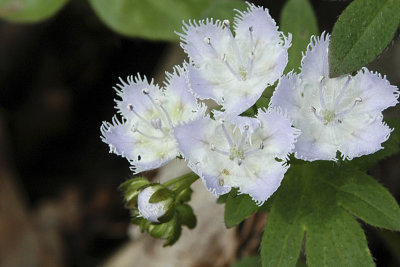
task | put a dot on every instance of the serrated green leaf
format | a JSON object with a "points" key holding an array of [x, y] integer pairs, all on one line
{"points": [[155, 19], [298, 18], [251, 261], [317, 199], [238, 208], [186, 216], [361, 33], [390, 147], [365, 198], [28, 11]]}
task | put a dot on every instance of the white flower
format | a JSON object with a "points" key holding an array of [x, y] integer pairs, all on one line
{"points": [[149, 115], [151, 211], [241, 152], [235, 69], [335, 114]]}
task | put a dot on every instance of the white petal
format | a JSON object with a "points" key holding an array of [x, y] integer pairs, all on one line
{"points": [[131, 93], [195, 36], [263, 26], [375, 91], [150, 211], [314, 64], [277, 132], [120, 138]]}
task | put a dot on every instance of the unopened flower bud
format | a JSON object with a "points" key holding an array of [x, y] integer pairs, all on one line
{"points": [[155, 204]]}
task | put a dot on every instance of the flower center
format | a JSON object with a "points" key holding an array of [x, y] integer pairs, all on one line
{"points": [[157, 123], [237, 151], [243, 72], [328, 116]]}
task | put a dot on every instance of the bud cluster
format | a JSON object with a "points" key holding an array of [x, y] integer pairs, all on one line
{"points": [[160, 209]]}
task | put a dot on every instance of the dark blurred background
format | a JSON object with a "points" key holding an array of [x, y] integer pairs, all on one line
{"points": [[59, 198]]}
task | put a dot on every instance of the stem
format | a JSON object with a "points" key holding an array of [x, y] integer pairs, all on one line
{"points": [[182, 182]]}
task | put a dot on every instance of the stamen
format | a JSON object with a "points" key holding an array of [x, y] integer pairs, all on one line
{"points": [[130, 107], [228, 138], [221, 182], [213, 148], [316, 115], [346, 111], [158, 102], [136, 130], [321, 97], [250, 152], [250, 64], [207, 40], [158, 105], [235, 47], [239, 162], [223, 58], [341, 93], [244, 135], [156, 123]]}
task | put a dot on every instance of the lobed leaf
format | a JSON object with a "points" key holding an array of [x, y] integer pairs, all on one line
{"points": [[318, 200], [361, 33], [238, 208]]}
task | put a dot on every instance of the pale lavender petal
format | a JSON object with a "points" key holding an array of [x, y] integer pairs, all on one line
{"points": [[375, 91], [131, 93], [277, 132], [177, 85], [263, 26], [287, 94], [314, 64], [195, 36], [119, 137], [266, 184], [366, 140]]}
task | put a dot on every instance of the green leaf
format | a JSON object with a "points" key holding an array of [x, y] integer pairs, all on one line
{"points": [[283, 235], [155, 19], [23, 11], [390, 147], [319, 200], [238, 208], [298, 18], [251, 261], [365, 198], [186, 216], [361, 33]]}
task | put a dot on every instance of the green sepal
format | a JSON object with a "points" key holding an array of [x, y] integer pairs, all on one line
{"points": [[170, 231], [132, 188], [222, 198], [186, 216], [169, 206], [161, 193], [184, 195], [140, 221]]}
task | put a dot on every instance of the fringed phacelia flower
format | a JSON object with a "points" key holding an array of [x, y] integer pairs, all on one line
{"points": [[242, 152], [234, 67], [335, 114], [149, 113]]}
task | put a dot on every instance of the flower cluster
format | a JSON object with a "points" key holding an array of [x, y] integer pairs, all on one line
{"points": [[310, 114]]}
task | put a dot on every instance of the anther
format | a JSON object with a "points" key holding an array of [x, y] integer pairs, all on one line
{"points": [[221, 182], [262, 145], [145, 91], [239, 162], [212, 147], [251, 28], [156, 123], [130, 107], [227, 23], [207, 40]]}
